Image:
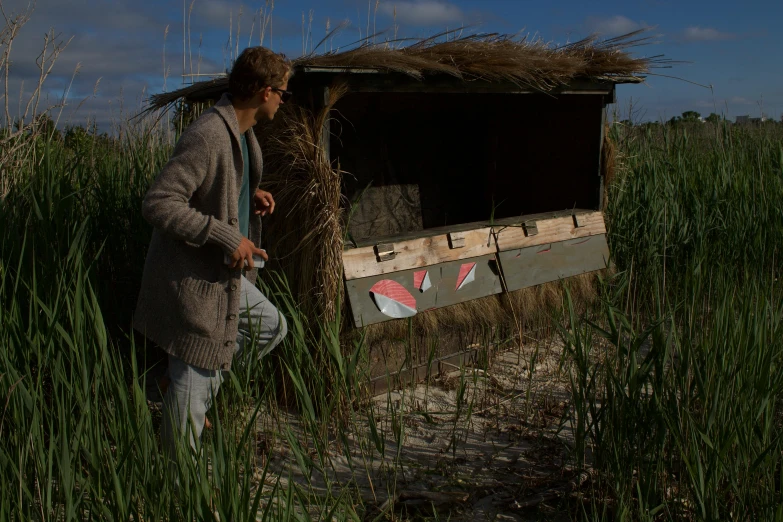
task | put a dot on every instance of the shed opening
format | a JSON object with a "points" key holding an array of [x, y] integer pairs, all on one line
{"points": [[418, 162]]}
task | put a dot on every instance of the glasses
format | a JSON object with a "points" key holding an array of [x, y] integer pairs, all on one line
{"points": [[284, 95]]}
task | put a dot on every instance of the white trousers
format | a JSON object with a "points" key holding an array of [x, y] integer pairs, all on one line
{"points": [[192, 389]]}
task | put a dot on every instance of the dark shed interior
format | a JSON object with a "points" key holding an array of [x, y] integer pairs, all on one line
{"points": [[420, 160]]}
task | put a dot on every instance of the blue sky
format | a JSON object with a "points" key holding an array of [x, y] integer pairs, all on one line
{"points": [[120, 49]]}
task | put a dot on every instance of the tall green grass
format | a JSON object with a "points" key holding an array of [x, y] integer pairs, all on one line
{"points": [[677, 381], [79, 440], [692, 199]]}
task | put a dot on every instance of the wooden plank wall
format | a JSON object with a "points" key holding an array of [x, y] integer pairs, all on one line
{"points": [[529, 253], [443, 291], [536, 265], [417, 253], [551, 230]]}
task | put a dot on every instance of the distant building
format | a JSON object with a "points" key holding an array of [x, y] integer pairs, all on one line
{"points": [[747, 120]]}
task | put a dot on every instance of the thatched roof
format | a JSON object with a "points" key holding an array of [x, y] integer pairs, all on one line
{"points": [[526, 63]]}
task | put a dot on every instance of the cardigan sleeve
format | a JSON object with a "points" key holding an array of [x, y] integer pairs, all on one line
{"points": [[167, 206]]}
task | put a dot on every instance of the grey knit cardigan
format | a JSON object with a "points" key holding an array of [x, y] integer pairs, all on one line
{"points": [[189, 298]]}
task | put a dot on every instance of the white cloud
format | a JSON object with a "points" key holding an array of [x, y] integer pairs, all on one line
{"points": [[616, 25], [217, 13], [423, 12], [705, 34], [121, 44], [739, 100]]}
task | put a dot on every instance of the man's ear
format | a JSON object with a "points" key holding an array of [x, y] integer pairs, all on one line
{"points": [[265, 93]]}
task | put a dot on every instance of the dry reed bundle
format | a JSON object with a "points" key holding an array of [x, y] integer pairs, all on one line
{"points": [[309, 233], [490, 57], [529, 63]]}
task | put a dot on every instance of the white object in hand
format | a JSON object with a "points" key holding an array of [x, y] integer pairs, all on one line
{"points": [[258, 261]]}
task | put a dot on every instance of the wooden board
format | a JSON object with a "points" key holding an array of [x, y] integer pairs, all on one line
{"points": [[443, 292], [365, 79], [601, 179], [535, 265], [497, 224], [385, 83], [551, 231], [417, 253]]}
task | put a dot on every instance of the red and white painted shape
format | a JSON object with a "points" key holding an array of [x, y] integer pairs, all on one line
{"points": [[421, 280], [393, 300], [467, 274]]}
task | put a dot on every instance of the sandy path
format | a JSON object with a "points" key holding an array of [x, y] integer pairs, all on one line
{"points": [[477, 444]]}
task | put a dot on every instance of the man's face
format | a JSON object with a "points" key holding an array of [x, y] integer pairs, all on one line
{"points": [[271, 99]]}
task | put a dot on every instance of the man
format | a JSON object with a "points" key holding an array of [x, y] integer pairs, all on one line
{"points": [[198, 300]]}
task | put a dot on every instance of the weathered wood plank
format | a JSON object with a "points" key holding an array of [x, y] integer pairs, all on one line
{"points": [[601, 179], [366, 79], [417, 253], [443, 292], [540, 264], [551, 231], [497, 223]]}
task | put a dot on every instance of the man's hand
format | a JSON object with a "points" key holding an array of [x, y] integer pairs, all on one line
{"points": [[264, 202], [244, 253]]}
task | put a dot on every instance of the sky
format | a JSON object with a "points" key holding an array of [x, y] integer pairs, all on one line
{"points": [[120, 51]]}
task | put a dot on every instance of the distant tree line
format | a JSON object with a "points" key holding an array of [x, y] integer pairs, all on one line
{"points": [[690, 117], [75, 137]]}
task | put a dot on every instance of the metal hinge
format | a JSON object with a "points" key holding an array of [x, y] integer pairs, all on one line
{"points": [[531, 228], [384, 251], [456, 240]]}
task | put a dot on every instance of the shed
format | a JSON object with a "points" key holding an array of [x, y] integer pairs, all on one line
{"points": [[461, 190], [449, 173]]}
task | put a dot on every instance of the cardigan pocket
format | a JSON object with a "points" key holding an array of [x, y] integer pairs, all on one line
{"points": [[201, 305]]}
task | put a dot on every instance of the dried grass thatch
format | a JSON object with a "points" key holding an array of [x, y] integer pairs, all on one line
{"points": [[490, 57], [309, 233], [529, 63]]}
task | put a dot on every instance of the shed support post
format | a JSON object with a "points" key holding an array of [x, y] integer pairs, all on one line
{"points": [[601, 180]]}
